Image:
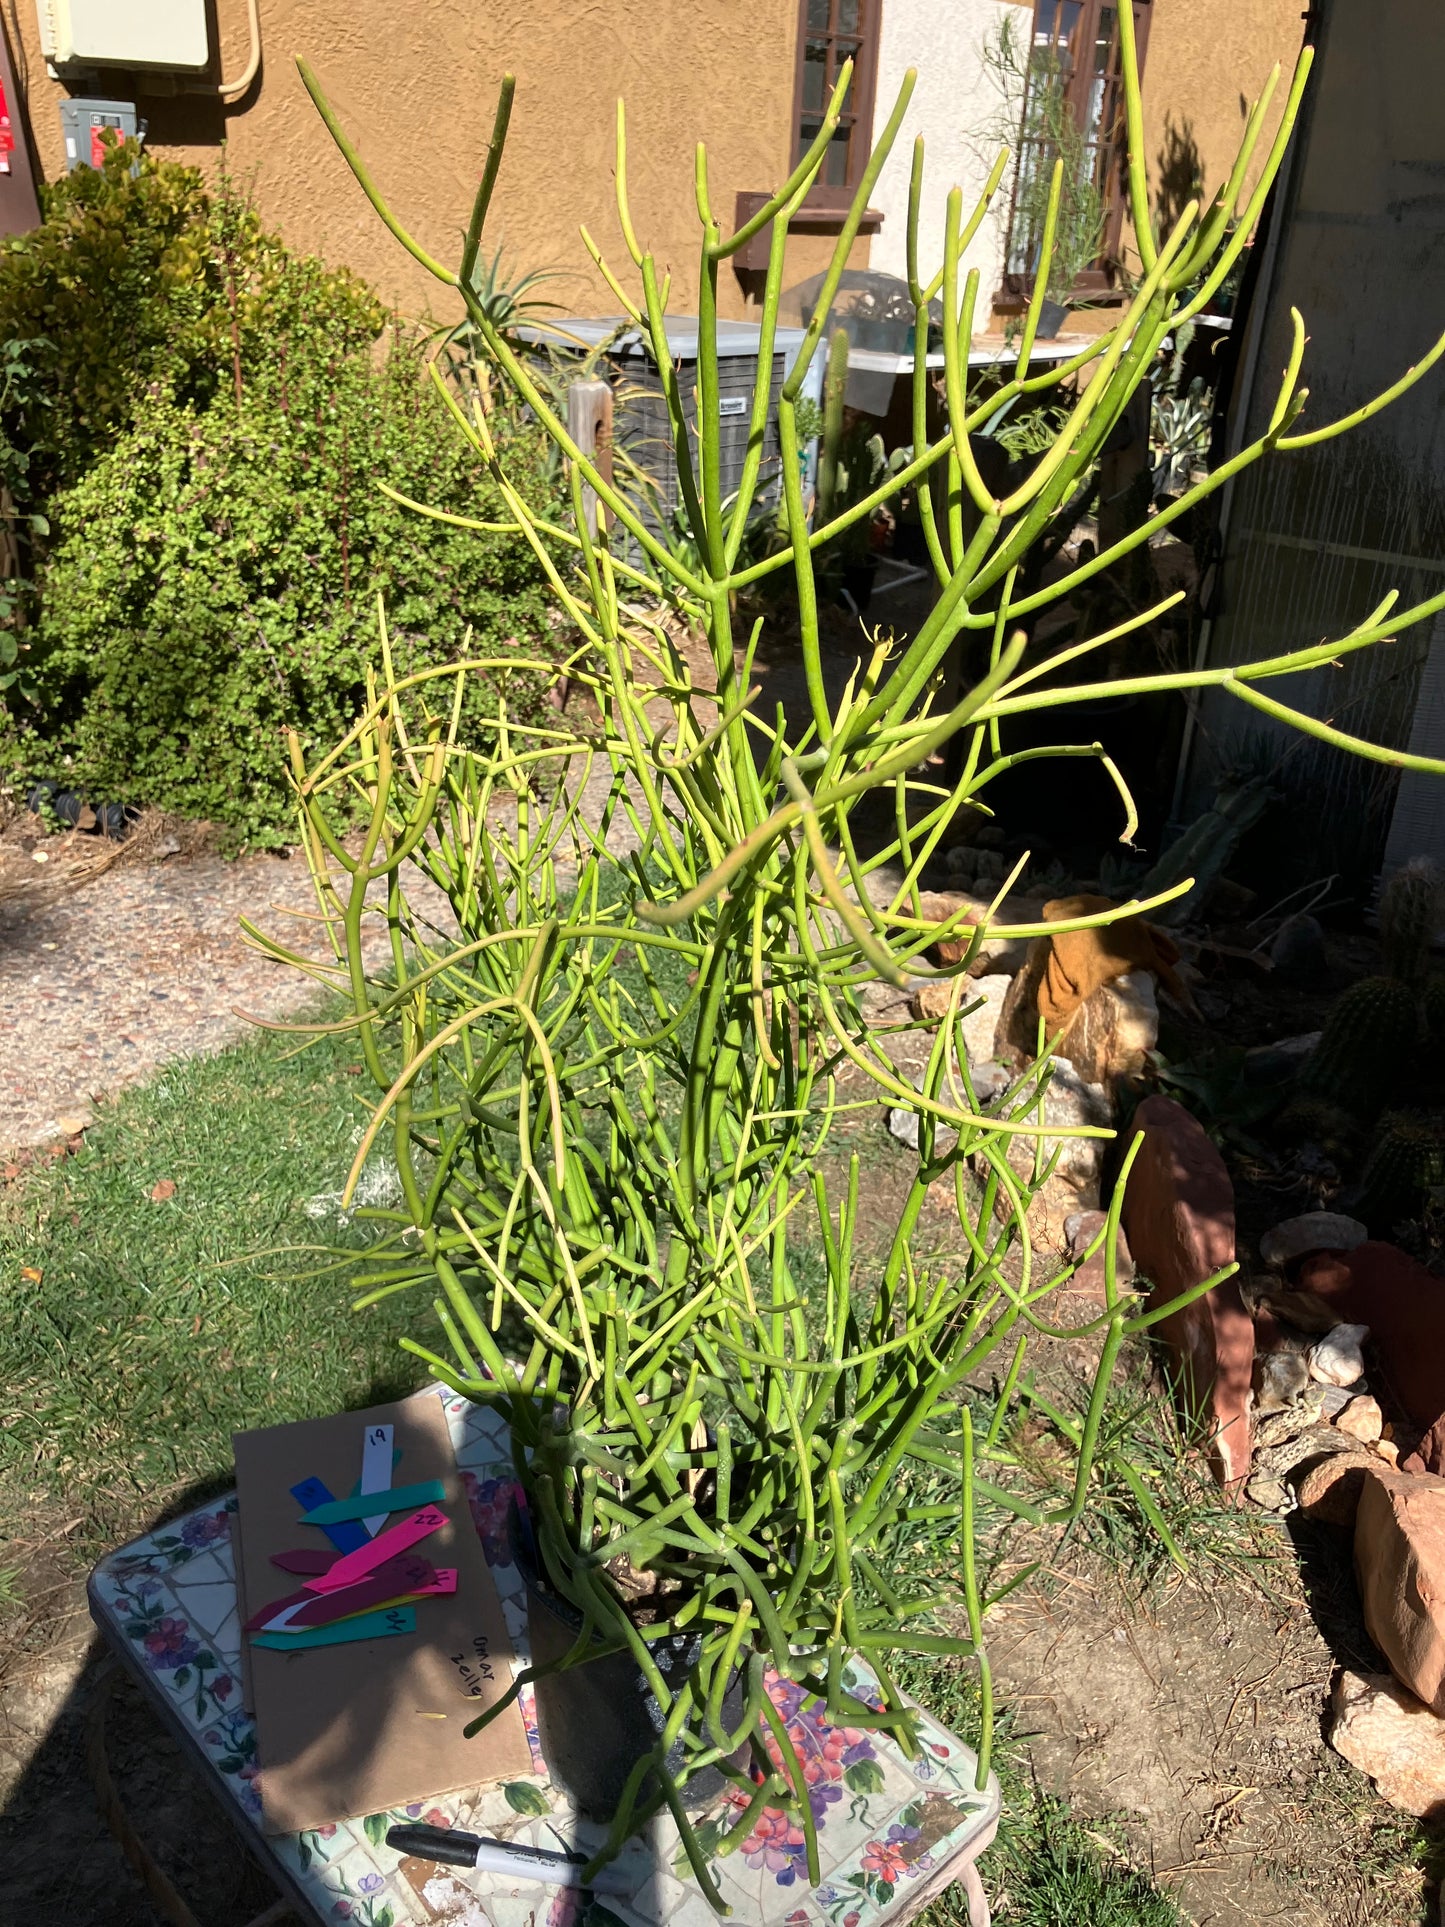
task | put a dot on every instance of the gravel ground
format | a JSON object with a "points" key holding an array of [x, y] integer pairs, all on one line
{"points": [[144, 964]]}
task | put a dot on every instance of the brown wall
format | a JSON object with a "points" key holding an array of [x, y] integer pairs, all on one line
{"points": [[414, 82], [1205, 65]]}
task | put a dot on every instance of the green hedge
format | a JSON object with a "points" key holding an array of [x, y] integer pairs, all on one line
{"points": [[208, 450]]}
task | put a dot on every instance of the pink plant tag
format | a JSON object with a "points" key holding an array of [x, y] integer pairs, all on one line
{"points": [[353, 1566], [323, 1609], [406, 1572]]}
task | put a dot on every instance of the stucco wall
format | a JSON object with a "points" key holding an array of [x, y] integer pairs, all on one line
{"points": [[416, 85], [1205, 65], [952, 102]]}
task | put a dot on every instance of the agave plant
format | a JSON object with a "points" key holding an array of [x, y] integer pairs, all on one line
{"points": [[614, 1088]]}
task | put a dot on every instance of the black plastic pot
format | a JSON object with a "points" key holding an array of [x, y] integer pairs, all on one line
{"points": [[596, 1720], [1052, 316], [99, 819]]}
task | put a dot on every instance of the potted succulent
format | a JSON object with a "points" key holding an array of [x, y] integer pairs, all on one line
{"points": [[613, 1092]]}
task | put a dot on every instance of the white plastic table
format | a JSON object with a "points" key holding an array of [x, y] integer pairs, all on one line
{"points": [[892, 1833]]}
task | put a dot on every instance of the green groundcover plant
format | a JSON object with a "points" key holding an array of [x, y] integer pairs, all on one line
{"points": [[610, 1093]]}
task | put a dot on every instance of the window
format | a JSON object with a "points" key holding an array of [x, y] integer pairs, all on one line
{"points": [[1073, 108], [831, 32]]}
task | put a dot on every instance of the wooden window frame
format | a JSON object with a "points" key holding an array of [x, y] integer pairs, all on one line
{"points": [[837, 200], [1102, 281]]}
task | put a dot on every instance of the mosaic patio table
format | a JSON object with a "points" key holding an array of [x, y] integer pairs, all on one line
{"points": [[892, 1832]]}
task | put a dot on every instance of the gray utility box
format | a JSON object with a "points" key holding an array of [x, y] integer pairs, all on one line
{"points": [[85, 122], [641, 431]]}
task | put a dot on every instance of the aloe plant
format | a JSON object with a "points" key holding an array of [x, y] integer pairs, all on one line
{"points": [[612, 1091]]}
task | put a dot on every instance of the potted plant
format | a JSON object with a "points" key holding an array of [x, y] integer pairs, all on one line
{"points": [[1056, 227], [614, 1091]]}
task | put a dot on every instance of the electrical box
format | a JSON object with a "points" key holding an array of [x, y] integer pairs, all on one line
{"points": [[167, 34], [84, 122]]}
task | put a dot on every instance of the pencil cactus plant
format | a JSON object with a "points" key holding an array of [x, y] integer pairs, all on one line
{"points": [[614, 1090]]}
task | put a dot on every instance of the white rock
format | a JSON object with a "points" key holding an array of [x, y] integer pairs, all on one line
{"points": [[980, 1025], [1338, 1359], [1387, 1733], [1069, 1100], [1313, 1231]]}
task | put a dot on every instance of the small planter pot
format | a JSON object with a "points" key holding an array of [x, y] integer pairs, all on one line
{"points": [[1052, 316], [596, 1720]]}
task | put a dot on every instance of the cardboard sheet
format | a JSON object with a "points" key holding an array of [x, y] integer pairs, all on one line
{"points": [[372, 1724]]}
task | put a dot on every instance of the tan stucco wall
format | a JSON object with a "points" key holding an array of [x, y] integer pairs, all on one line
{"points": [[415, 82], [1205, 66]]}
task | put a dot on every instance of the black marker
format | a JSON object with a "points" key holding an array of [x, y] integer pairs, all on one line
{"points": [[456, 1849]]}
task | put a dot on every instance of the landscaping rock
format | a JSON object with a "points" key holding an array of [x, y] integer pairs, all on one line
{"points": [[1018, 1028], [1362, 1419], [981, 1001], [1114, 1030], [1400, 1566], [1279, 1378], [1269, 1493], [1302, 1311], [995, 954], [1179, 1219], [1338, 1358], [980, 1026], [1386, 1732], [1329, 1489], [931, 998], [1404, 1306], [1277, 1063], [1074, 1185], [1314, 1231]]}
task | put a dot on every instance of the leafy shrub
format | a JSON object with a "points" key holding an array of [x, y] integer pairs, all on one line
{"points": [[140, 279], [217, 581], [206, 419]]}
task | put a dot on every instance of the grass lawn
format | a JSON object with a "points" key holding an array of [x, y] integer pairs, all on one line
{"points": [[137, 1332]]}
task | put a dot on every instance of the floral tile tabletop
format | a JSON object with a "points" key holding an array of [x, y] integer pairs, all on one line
{"points": [[890, 1831]]}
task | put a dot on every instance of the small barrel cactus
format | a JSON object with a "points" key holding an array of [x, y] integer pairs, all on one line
{"points": [[1410, 905], [1407, 1160], [1366, 1047], [1315, 1120]]}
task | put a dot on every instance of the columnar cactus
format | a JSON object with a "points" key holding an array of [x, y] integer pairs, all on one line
{"points": [[1410, 905]]}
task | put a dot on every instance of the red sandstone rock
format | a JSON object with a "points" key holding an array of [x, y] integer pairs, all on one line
{"points": [[1329, 1490], [1400, 1564], [1386, 1733], [1404, 1306], [1179, 1220]]}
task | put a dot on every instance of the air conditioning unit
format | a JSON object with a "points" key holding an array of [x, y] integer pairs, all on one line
{"points": [[642, 432], [137, 34]]}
